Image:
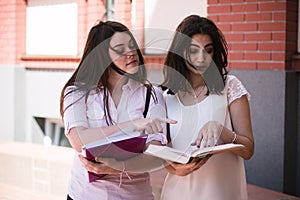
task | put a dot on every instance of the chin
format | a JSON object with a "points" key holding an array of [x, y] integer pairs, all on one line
{"points": [[133, 70]]}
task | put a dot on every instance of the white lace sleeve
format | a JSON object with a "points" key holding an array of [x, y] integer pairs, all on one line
{"points": [[235, 89]]}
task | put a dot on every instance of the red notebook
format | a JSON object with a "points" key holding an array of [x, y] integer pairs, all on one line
{"points": [[120, 148]]}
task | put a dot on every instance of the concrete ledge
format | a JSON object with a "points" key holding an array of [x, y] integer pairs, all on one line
{"points": [[35, 169], [32, 172], [10, 192], [259, 193]]}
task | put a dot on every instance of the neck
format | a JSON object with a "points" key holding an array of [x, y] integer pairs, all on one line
{"points": [[196, 81], [116, 81]]}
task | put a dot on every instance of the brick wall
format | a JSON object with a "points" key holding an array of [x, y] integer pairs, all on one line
{"points": [[12, 31], [123, 12], [261, 35]]}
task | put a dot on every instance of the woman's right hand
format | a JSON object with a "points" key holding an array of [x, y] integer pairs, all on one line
{"points": [[209, 134], [151, 125], [185, 169], [97, 167]]}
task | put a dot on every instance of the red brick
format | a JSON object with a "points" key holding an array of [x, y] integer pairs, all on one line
{"points": [[296, 64], [257, 1], [224, 27], [214, 18], [258, 56], [243, 65], [230, 1], [235, 55], [279, 16], [219, 9], [292, 26], [234, 37], [292, 6], [209, 2], [292, 36], [271, 66], [245, 8], [272, 26], [278, 35], [291, 46], [278, 56], [244, 27], [272, 46], [257, 36], [272, 6], [258, 17], [292, 16], [232, 18], [243, 46]]}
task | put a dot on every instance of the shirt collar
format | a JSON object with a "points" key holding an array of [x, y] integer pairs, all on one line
{"points": [[132, 85]]}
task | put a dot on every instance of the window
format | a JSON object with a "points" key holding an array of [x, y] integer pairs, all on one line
{"points": [[162, 18], [51, 27], [110, 12]]}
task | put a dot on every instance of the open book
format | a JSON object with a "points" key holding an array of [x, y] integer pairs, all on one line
{"points": [[120, 146], [175, 155]]}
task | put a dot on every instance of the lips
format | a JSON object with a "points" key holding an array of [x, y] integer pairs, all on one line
{"points": [[131, 62]]}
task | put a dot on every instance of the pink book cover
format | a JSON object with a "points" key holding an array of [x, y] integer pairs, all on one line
{"points": [[120, 150]]}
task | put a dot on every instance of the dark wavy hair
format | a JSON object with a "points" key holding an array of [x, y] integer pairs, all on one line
{"points": [[96, 63], [175, 69]]}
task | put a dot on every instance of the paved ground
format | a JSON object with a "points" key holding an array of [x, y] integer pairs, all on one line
{"points": [[8, 192], [258, 193]]}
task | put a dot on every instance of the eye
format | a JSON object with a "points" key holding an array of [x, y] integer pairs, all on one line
{"points": [[209, 50], [119, 50], [193, 50], [132, 46]]}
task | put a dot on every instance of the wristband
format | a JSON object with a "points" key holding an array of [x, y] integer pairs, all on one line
{"points": [[234, 137]]}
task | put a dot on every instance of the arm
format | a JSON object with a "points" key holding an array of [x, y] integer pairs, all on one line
{"points": [[79, 136], [140, 163], [240, 117], [241, 121]]}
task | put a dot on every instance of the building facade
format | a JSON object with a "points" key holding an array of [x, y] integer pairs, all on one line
{"points": [[41, 42]]}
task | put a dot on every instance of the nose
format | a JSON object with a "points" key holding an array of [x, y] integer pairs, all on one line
{"points": [[130, 53], [201, 56]]}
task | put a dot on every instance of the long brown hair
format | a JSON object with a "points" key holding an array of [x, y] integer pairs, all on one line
{"points": [[93, 70], [175, 70]]}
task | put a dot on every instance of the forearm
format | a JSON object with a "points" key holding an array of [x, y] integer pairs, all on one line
{"points": [[79, 136], [227, 136]]}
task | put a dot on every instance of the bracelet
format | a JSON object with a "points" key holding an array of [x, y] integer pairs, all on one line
{"points": [[234, 137]]}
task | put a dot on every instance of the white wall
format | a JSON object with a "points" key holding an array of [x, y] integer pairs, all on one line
{"points": [[27, 94], [12, 102], [42, 96]]}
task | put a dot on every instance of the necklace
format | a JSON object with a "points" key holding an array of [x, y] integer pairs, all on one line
{"points": [[197, 95]]}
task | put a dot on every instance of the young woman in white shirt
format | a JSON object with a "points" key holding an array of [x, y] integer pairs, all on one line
{"points": [[106, 94]]}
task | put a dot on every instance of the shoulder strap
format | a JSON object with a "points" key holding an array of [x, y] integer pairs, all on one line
{"points": [[148, 95]]}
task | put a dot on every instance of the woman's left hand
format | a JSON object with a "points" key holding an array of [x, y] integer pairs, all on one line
{"points": [[97, 167], [185, 169]]}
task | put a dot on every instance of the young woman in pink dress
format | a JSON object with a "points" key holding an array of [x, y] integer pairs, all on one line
{"points": [[211, 108]]}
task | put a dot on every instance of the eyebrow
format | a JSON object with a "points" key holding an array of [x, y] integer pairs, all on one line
{"points": [[117, 45], [196, 45]]}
